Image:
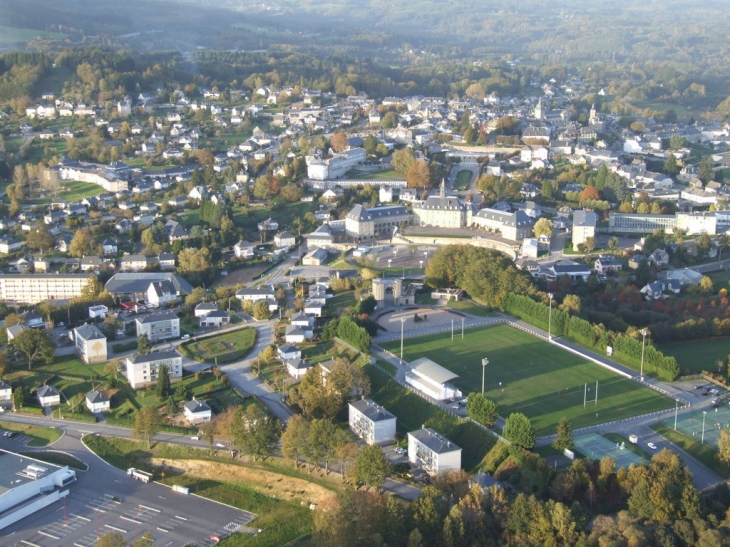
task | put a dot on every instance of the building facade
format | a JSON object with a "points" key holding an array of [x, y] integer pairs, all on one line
{"points": [[142, 369], [90, 344], [432, 452], [159, 326], [375, 223], [371, 422], [34, 288], [513, 226]]}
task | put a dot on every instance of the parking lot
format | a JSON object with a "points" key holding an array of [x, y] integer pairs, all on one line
{"points": [[105, 500]]}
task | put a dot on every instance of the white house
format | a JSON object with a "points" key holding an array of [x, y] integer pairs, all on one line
{"points": [[98, 311], [294, 335], [160, 293], [432, 452], [314, 307], [97, 402], [142, 369], [305, 322], [90, 344], [216, 319], [285, 239], [432, 379], [584, 226], [254, 295], [204, 308], [48, 396], [297, 367], [371, 422], [243, 249], [197, 411], [287, 352], [607, 264], [6, 394]]}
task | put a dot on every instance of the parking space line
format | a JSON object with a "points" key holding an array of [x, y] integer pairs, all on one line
{"points": [[150, 508], [41, 532], [29, 544], [179, 517], [131, 519], [161, 529], [80, 517], [116, 529]]}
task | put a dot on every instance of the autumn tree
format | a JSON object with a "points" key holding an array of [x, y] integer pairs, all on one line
{"points": [[84, 243], [146, 424], [295, 438], [339, 142], [256, 432], [543, 227], [35, 345], [143, 344], [91, 290], [402, 160], [371, 467], [39, 238], [418, 175], [564, 437]]}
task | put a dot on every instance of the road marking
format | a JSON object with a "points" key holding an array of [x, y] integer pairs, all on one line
{"points": [[130, 519], [150, 508], [163, 529], [80, 517], [116, 529], [29, 543], [47, 534], [179, 517]]}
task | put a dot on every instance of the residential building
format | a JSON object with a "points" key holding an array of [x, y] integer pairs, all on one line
{"points": [[294, 335], [432, 452], [6, 395], [135, 286], [288, 351], [244, 249], [48, 396], [90, 344], [371, 422], [161, 293], [377, 222], [285, 239], [10, 245], [315, 257], [135, 263], [197, 411], [432, 379], [142, 369], [97, 401], [99, 311], [607, 264], [691, 223], [34, 288], [584, 226], [204, 308], [297, 368], [442, 211], [215, 319], [254, 295], [158, 326]]}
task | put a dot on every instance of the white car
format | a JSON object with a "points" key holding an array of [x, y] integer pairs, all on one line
{"points": [[220, 445], [651, 445]]}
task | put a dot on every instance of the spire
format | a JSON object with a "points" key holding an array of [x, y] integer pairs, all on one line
{"points": [[443, 188]]}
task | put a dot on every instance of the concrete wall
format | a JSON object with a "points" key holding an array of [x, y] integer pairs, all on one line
{"points": [[439, 240]]}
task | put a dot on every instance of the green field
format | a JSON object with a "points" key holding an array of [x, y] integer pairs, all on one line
{"points": [[469, 306], [224, 348], [71, 191], [530, 376], [694, 356], [463, 179], [9, 35], [39, 436], [378, 175]]}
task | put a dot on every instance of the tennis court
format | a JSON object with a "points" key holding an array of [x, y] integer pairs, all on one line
{"points": [[691, 425], [595, 447]]}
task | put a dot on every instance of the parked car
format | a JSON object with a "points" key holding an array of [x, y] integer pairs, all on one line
{"points": [[651, 445]]}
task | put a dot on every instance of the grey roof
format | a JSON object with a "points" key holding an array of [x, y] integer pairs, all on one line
{"points": [[360, 213], [47, 391], [433, 441], [206, 306], [163, 287], [96, 397], [4, 385], [433, 370], [288, 348], [154, 356], [89, 332], [264, 291], [518, 218], [197, 405], [585, 218], [157, 317], [130, 282], [440, 203], [298, 364], [294, 330], [373, 411]]}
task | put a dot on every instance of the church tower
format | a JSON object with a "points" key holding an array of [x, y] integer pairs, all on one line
{"points": [[593, 115], [442, 192], [539, 115]]}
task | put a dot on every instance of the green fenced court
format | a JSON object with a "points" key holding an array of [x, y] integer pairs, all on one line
{"points": [[596, 447], [529, 375], [691, 425]]}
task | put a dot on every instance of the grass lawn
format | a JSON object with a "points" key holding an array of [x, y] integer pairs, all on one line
{"points": [[341, 300], [704, 453], [57, 458], [696, 357], [39, 436], [412, 412], [469, 306], [225, 347], [463, 179], [530, 376], [10, 35], [68, 373]]}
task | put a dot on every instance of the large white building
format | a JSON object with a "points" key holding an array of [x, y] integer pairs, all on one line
{"points": [[142, 369], [443, 211], [34, 288], [28, 485], [107, 178], [336, 166], [513, 226], [432, 452], [371, 422], [584, 226], [378, 222], [90, 344], [691, 223], [432, 379], [163, 325]]}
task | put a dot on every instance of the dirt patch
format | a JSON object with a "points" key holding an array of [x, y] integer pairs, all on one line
{"points": [[241, 276], [282, 487], [419, 318]]}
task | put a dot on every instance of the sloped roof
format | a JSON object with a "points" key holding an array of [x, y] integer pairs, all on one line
{"points": [[89, 332], [373, 411], [433, 370], [434, 441]]}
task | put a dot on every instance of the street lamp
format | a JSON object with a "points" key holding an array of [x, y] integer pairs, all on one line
{"points": [[421, 262], [389, 261], [550, 316], [704, 413], [644, 332], [485, 362], [402, 325]]}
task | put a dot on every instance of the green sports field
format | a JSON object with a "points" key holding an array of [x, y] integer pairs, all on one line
{"points": [[526, 374]]}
